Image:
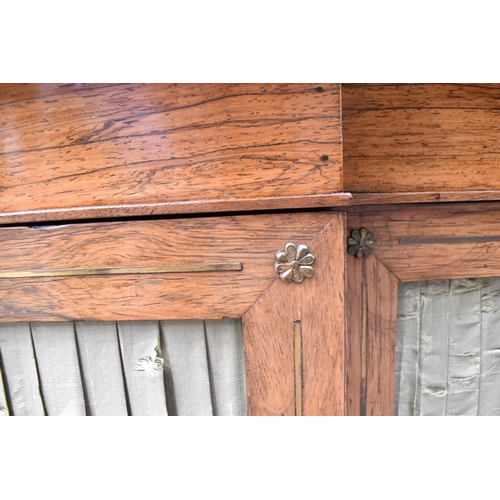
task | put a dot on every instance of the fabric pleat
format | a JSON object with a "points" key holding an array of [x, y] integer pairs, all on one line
{"points": [[448, 348], [138, 368]]}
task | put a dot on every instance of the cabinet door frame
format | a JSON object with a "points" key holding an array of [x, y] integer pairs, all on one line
{"points": [[413, 243], [115, 271]]}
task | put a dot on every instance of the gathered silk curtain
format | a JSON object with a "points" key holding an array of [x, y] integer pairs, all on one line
{"points": [[448, 348], [124, 368]]}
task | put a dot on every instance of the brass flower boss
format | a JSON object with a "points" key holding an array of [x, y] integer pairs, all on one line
{"points": [[294, 263], [361, 243]]}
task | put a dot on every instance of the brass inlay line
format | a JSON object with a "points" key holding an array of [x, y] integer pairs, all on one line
{"points": [[96, 271], [297, 349], [364, 339], [449, 239]]}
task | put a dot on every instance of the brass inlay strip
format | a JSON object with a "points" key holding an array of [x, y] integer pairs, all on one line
{"points": [[364, 340], [297, 348], [173, 268], [450, 239]]}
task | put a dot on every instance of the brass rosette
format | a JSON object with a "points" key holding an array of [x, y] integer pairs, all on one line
{"points": [[294, 263], [361, 243]]}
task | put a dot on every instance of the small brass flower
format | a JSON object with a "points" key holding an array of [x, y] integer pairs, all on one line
{"points": [[294, 262], [361, 243]]}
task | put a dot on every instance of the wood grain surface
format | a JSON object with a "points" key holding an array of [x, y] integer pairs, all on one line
{"points": [[424, 197], [355, 359], [372, 306], [382, 309], [179, 208], [252, 240], [318, 304], [322, 316], [421, 138], [155, 148], [426, 258]]}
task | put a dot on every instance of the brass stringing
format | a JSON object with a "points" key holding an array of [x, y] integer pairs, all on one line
{"points": [[104, 271]]}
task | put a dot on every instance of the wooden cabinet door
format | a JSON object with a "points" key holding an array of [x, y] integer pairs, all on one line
{"points": [[412, 243], [203, 268]]}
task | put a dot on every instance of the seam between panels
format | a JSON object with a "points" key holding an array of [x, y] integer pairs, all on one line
{"points": [[313, 239], [209, 367], [86, 399], [8, 400], [40, 390], [168, 383], [127, 399]]}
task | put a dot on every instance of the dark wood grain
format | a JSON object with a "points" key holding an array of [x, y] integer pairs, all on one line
{"points": [[252, 240], [421, 138], [100, 148], [13, 93], [361, 96]]}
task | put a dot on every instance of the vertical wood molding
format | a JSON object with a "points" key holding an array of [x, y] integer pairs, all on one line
{"points": [[354, 334], [318, 304], [382, 310], [371, 337], [322, 315], [299, 378]]}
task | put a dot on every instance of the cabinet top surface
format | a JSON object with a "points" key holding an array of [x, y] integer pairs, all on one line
{"points": [[100, 150]]}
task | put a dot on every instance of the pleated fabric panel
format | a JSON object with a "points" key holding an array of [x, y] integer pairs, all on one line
{"points": [[448, 348], [224, 339], [101, 368], [143, 368], [186, 371], [4, 407], [58, 368], [145, 389], [19, 370]]}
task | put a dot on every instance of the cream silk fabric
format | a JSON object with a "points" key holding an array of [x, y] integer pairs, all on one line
{"points": [[448, 348], [125, 368]]}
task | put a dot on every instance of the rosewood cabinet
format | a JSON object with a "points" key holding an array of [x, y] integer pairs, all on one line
{"points": [[166, 202], [200, 269], [111, 211]]}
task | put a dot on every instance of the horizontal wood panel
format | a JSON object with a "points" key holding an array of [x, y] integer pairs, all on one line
{"points": [[251, 240], [426, 95], [421, 138], [428, 259], [14, 92], [181, 207], [64, 148], [424, 197]]}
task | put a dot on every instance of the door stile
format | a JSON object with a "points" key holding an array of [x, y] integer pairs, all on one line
{"points": [[315, 308]]}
